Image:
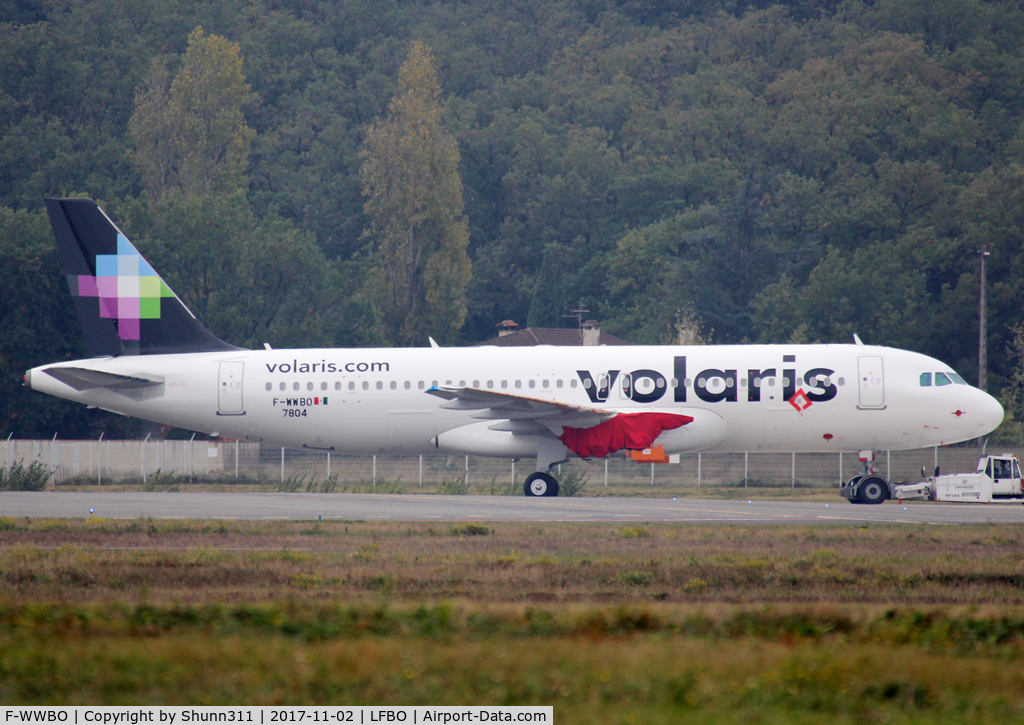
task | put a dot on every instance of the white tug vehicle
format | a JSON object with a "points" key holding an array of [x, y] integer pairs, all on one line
{"points": [[997, 480]]}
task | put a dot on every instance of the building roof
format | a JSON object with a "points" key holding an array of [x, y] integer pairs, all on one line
{"points": [[565, 337]]}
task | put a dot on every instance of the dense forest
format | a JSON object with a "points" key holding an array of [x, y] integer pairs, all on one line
{"points": [[796, 171]]}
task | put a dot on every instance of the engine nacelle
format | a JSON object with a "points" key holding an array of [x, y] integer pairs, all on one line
{"points": [[706, 430], [477, 439]]}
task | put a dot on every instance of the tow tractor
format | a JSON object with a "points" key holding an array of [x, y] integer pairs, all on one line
{"points": [[997, 480]]}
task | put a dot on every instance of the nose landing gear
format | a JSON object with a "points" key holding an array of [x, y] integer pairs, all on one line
{"points": [[869, 487]]}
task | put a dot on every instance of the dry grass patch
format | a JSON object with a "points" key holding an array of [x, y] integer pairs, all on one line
{"points": [[199, 561]]}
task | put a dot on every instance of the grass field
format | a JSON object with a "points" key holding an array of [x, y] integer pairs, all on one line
{"points": [[608, 623]]}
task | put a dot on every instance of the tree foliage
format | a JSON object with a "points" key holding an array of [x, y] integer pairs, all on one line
{"points": [[413, 188], [797, 171], [190, 133]]}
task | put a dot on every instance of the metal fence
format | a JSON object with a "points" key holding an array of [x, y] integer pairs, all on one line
{"points": [[110, 461]]}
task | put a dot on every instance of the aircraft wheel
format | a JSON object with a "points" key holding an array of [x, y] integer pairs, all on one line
{"points": [[853, 482], [540, 484], [873, 489]]}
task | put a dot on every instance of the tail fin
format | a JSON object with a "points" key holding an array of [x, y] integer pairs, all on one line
{"points": [[123, 305]]}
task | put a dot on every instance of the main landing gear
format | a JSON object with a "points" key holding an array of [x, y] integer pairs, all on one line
{"points": [[868, 487], [540, 482]]}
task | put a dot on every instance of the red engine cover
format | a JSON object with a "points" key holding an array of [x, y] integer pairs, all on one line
{"points": [[629, 431]]}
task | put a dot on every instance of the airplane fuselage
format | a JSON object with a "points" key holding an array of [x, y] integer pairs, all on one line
{"points": [[784, 398]]}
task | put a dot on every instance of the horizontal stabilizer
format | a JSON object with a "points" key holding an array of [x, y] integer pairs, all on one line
{"points": [[82, 379]]}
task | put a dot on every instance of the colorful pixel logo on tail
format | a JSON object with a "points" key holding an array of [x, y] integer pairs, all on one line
{"points": [[128, 288]]}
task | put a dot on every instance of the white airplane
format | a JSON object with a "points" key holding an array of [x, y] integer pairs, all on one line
{"points": [[151, 359]]}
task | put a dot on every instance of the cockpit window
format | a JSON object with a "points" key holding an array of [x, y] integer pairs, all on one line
{"points": [[942, 379], [957, 379], [926, 380]]}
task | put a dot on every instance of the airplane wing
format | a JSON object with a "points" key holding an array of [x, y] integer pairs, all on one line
{"points": [[587, 432], [520, 414]]}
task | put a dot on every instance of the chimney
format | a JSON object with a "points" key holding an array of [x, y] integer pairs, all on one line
{"points": [[591, 333], [506, 327]]}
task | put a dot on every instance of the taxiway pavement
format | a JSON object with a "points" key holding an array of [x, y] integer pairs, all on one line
{"points": [[383, 507]]}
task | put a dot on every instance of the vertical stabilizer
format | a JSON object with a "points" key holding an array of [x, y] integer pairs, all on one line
{"points": [[123, 305]]}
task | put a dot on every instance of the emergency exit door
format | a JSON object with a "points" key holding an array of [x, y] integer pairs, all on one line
{"points": [[229, 389], [871, 382]]}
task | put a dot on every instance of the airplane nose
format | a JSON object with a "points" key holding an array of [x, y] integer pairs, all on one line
{"points": [[991, 413]]}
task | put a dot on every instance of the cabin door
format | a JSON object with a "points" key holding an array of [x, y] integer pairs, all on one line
{"points": [[870, 382], [229, 389]]}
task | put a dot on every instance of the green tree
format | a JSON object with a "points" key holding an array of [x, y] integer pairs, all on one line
{"points": [[414, 201], [190, 133], [249, 280]]}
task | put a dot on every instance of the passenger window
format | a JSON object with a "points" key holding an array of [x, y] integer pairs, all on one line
{"points": [[941, 379], [351, 386], [420, 385], [572, 383], [504, 384], [519, 383], [337, 386], [558, 383], [433, 383], [270, 386], [544, 384], [394, 385], [366, 385], [532, 384], [295, 386], [926, 380], [462, 383], [380, 385], [284, 386], [476, 383], [408, 385], [323, 386], [490, 384]]}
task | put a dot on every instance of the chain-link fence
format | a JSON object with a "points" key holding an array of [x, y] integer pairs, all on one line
{"points": [[110, 461]]}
